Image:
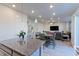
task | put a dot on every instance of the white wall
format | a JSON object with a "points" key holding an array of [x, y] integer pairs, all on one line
{"points": [[11, 22], [39, 27], [62, 26], [73, 18]]}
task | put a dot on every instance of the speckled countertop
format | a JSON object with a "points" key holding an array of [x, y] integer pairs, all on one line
{"points": [[26, 47]]}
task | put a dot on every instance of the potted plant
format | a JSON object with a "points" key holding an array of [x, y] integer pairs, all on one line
{"points": [[21, 34]]}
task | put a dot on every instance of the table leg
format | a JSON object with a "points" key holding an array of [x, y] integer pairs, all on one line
{"points": [[11, 52], [40, 51]]}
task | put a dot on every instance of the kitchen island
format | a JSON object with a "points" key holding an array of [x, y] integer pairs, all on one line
{"points": [[16, 47]]}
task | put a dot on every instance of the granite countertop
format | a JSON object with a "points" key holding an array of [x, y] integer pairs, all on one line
{"points": [[77, 50], [26, 47]]}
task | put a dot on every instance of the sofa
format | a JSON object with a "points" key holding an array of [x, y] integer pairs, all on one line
{"points": [[58, 36]]}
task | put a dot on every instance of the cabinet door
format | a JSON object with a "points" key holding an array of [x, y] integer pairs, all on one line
{"points": [[5, 49], [2, 53], [15, 54]]}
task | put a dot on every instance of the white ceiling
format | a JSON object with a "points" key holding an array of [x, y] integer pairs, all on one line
{"points": [[62, 10]]}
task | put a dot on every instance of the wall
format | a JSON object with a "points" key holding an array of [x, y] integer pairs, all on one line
{"points": [[73, 18], [63, 26], [39, 27], [11, 23]]}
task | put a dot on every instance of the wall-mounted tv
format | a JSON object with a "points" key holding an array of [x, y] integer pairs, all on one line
{"points": [[54, 28]]}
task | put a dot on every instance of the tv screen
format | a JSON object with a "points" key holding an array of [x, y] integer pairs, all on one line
{"points": [[54, 28]]}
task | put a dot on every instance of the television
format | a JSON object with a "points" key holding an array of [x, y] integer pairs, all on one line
{"points": [[54, 28]]}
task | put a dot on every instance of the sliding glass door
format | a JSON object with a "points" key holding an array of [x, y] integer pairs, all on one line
{"points": [[77, 30]]}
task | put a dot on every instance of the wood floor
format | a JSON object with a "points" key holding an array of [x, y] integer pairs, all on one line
{"points": [[63, 48]]}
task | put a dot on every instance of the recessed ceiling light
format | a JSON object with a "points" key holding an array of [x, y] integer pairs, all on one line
{"points": [[53, 13], [33, 11], [13, 5], [40, 16], [51, 6], [36, 21]]}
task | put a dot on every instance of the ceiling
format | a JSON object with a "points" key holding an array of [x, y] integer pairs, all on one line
{"points": [[62, 10]]}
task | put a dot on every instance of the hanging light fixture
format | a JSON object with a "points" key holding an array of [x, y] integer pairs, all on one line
{"points": [[36, 21]]}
